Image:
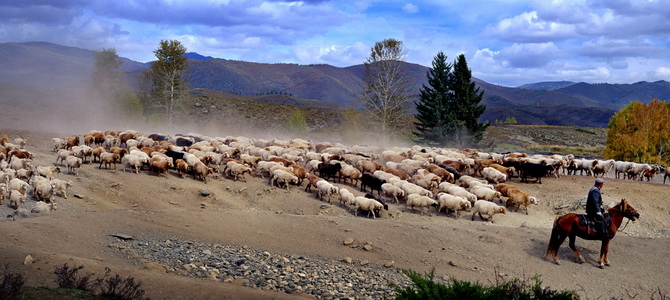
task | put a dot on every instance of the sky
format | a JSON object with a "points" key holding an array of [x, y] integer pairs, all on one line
{"points": [[505, 42]]}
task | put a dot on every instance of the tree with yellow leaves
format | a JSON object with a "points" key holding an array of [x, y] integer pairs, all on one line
{"points": [[640, 133]]}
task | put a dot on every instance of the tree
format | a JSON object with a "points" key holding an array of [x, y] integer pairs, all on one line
{"points": [[385, 93], [467, 108], [109, 83], [639, 133], [169, 77], [436, 123], [297, 123], [448, 110]]}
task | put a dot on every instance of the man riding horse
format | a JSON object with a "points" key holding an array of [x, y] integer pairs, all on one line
{"points": [[594, 209]]}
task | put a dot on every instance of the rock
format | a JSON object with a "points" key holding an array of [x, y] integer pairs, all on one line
{"points": [[22, 212], [205, 192], [28, 260], [348, 241], [203, 205], [325, 206], [174, 202], [115, 185], [207, 252], [364, 262], [389, 264], [122, 236], [154, 266], [446, 277], [523, 225], [197, 104], [348, 260], [367, 247], [452, 263], [78, 196]]}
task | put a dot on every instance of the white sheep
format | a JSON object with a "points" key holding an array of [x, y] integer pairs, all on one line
{"points": [[19, 185], [391, 190], [350, 172], [3, 192], [346, 197], [416, 200], [451, 202], [16, 198], [280, 176], [411, 188], [73, 164], [371, 205], [133, 161], [62, 155], [43, 190], [493, 175], [61, 186], [263, 167], [59, 144], [47, 172], [485, 193], [486, 208], [461, 192], [236, 170], [384, 175], [324, 187], [43, 207]]}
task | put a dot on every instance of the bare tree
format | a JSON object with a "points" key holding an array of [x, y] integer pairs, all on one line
{"points": [[386, 90]]}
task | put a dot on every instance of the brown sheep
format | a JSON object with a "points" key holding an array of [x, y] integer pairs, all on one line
{"points": [[286, 162], [480, 164], [369, 166], [109, 159], [200, 170], [182, 167], [20, 154], [120, 151], [458, 165], [71, 142], [519, 198], [439, 171], [503, 188], [158, 165], [300, 172], [505, 170], [96, 151], [313, 179], [400, 173]]}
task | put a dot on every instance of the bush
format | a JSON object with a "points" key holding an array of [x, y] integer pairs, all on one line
{"points": [[11, 285], [108, 287], [425, 287]]}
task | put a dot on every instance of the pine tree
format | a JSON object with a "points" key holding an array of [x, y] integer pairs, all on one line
{"points": [[467, 109], [435, 116], [169, 75]]}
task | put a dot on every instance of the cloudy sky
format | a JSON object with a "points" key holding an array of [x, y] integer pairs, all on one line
{"points": [[506, 42]]}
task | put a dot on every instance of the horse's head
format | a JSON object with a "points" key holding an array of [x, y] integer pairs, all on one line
{"points": [[627, 211]]}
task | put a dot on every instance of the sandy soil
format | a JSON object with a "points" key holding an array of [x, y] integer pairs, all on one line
{"points": [[293, 222]]}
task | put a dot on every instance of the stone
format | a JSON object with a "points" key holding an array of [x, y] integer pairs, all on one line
{"points": [[78, 196], [348, 260], [452, 263], [389, 264], [207, 252], [154, 266], [348, 241], [28, 260], [325, 206], [205, 192], [122, 236], [365, 262], [367, 247]]}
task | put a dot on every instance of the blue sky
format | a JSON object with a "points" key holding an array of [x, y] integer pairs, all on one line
{"points": [[506, 42]]}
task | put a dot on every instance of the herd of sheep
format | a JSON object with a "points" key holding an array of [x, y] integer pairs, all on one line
{"points": [[450, 180]]}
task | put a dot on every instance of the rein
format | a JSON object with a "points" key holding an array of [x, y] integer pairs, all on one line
{"points": [[621, 212]]}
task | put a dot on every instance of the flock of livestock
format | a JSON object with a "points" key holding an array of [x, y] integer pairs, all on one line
{"points": [[450, 180]]}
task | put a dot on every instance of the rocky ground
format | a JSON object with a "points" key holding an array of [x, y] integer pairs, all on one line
{"points": [[234, 240]]}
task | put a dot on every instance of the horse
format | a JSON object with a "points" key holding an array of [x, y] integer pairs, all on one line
{"points": [[568, 226]]}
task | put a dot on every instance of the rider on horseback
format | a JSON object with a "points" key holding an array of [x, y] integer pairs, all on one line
{"points": [[594, 208]]}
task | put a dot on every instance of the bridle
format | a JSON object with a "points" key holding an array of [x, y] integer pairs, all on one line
{"points": [[626, 213]]}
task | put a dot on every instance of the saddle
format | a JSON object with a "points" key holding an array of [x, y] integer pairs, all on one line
{"points": [[584, 220]]}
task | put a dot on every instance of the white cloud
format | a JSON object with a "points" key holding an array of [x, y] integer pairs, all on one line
{"points": [[527, 27], [410, 8]]}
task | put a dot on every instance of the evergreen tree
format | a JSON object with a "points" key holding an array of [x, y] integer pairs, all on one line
{"points": [[467, 108], [436, 122]]}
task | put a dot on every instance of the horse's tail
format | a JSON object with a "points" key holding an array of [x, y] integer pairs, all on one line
{"points": [[554, 240]]}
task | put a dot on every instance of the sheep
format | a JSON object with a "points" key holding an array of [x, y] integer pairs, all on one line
{"points": [[16, 163], [441, 172], [159, 165], [43, 207], [201, 170], [263, 167], [503, 188], [236, 170], [419, 201], [425, 182], [182, 167], [346, 197], [398, 173], [392, 190], [371, 205], [300, 172], [460, 192], [61, 186], [351, 173], [518, 197], [43, 190], [280, 176], [328, 170], [3, 192], [384, 175], [602, 167], [250, 159], [133, 162], [485, 193], [19, 185], [312, 181], [108, 159], [325, 188], [369, 166], [509, 171], [73, 164], [24, 174], [411, 188], [493, 175], [451, 202], [59, 144], [16, 198], [488, 208]]}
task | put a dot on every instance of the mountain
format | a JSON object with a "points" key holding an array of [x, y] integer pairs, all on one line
{"points": [[53, 67], [546, 85]]}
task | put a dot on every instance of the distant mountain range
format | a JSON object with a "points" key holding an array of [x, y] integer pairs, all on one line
{"points": [[51, 66]]}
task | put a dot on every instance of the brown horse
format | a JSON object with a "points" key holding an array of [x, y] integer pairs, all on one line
{"points": [[568, 226]]}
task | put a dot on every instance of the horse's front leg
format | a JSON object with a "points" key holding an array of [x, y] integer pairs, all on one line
{"points": [[603, 261], [574, 248]]}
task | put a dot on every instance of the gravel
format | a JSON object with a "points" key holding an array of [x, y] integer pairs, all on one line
{"points": [[321, 278]]}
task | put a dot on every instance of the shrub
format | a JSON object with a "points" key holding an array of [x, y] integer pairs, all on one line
{"points": [[425, 287], [108, 287], [69, 278], [10, 287]]}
